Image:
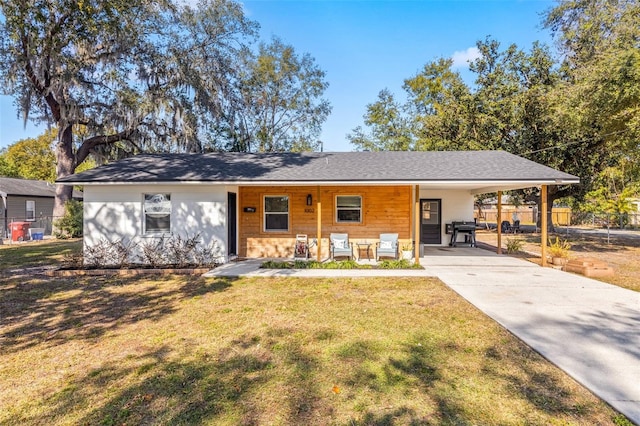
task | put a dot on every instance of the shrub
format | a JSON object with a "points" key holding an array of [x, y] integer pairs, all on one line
{"points": [[343, 264], [72, 260], [559, 248], [111, 253], [152, 252], [162, 251], [514, 245], [398, 264], [69, 225], [273, 264], [207, 255], [182, 251]]}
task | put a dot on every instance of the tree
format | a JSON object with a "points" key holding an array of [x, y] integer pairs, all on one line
{"points": [[524, 93], [441, 106], [599, 40], [518, 104], [144, 72], [390, 127], [31, 158], [279, 104], [611, 198]]}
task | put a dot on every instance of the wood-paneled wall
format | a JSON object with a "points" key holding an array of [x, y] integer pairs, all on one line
{"points": [[384, 209]]}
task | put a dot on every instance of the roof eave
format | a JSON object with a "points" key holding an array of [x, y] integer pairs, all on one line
{"points": [[422, 182]]}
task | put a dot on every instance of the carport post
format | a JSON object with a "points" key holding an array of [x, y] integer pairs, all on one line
{"points": [[416, 232], [499, 222], [319, 226], [543, 224]]}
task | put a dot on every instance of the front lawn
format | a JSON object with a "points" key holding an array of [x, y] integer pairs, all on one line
{"points": [[37, 253], [189, 350]]}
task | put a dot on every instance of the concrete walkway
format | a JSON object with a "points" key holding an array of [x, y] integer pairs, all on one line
{"points": [[588, 328]]}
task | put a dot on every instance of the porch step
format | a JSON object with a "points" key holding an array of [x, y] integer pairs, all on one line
{"points": [[589, 267]]}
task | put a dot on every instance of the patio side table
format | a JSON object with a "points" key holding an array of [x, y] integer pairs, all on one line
{"points": [[366, 247]]}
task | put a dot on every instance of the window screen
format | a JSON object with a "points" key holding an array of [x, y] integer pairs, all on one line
{"points": [[276, 213], [157, 212], [349, 208]]}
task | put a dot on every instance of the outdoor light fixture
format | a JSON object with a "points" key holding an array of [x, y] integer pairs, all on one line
{"points": [[309, 200]]}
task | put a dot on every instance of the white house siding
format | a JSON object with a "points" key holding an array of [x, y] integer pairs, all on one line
{"points": [[115, 213], [456, 205]]}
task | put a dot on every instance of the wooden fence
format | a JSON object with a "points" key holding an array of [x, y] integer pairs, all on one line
{"points": [[526, 215]]}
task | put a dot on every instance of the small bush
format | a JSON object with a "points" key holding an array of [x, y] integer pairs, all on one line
{"points": [[208, 255], [343, 264], [301, 264], [170, 250], [514, 245], [111, 253], [348, 264], [398, 264], [153, 253], [182, 250], [272, 264], [69, 225], [72, 260], [559, 247]]}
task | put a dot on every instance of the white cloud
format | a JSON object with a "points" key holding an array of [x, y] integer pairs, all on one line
{"points": [[462, 58]]}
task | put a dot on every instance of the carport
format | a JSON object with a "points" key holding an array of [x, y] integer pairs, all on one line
{"points": [[482, 187]]}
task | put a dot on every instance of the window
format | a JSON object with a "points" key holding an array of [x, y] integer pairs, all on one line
{"points": [[157, 213], [349, 208], [31, 211], [276, 213]]}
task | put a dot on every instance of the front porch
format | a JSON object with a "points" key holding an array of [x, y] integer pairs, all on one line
{"points": [[458, 257], [271, 217]]}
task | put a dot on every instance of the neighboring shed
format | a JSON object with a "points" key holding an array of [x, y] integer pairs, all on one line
{"points": [[254, 205], [25, 200]]}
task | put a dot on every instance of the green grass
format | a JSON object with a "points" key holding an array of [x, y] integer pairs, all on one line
{"points": [[341, 264], [188, 350], [37, 253]]}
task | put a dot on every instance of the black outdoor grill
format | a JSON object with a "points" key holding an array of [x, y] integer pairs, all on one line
{"points": [[468, 229]]}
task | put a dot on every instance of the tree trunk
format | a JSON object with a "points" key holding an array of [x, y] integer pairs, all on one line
{"points": [[551, 197], [66, 165]]}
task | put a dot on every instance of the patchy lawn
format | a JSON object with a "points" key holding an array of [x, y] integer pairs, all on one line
{"points": [[622, 253], [37, 253], [189, 350]]}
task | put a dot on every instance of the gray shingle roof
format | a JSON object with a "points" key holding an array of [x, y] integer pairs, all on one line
{"points": [[30, 188], [322, 167]]}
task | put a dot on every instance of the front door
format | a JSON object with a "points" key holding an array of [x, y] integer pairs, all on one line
{"points": [[232, 224], [430, 222]]}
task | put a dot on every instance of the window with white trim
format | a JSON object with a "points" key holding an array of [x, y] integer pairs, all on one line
{"points": [[30, 211], [157, 213], [276, 213], [348, 209]]}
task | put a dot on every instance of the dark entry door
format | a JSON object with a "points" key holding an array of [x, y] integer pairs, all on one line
{"points": [[232, 223], [430, 222]]}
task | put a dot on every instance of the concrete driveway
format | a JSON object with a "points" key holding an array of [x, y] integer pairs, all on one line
{"points": [[589, 329]]}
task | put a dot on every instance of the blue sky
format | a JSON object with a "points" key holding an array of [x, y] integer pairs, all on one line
{"points": [[366, 46]]}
